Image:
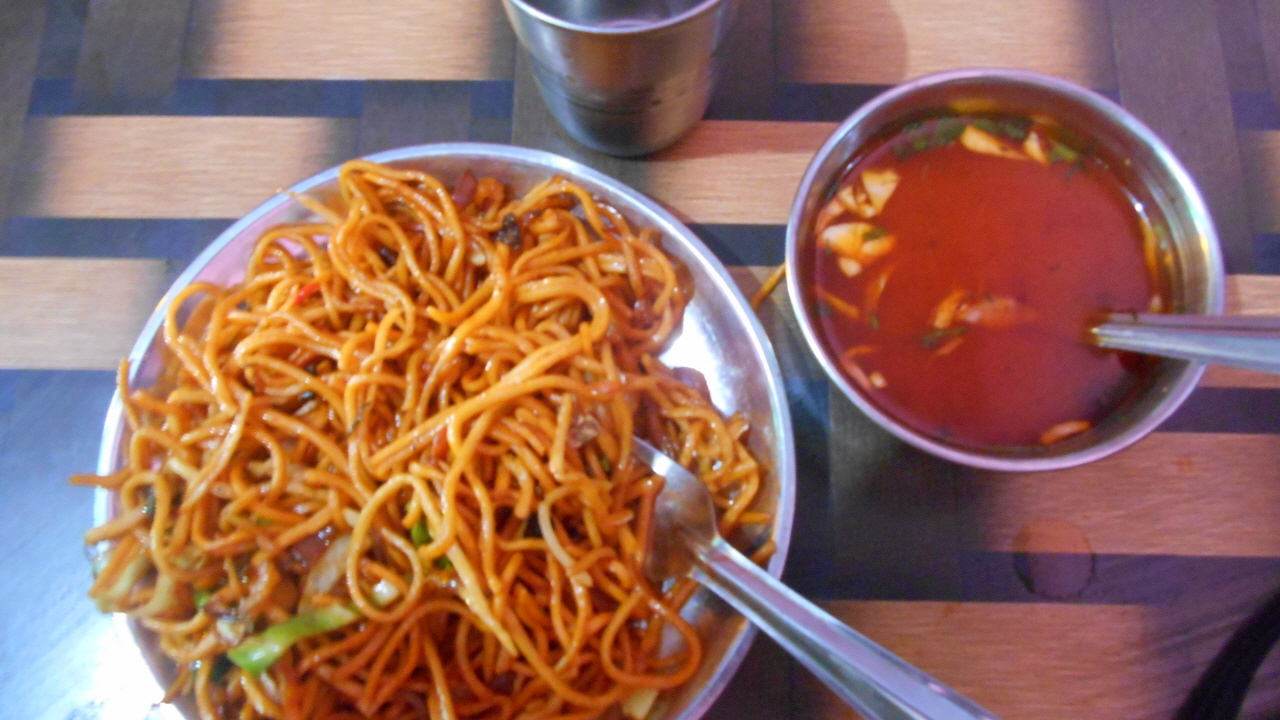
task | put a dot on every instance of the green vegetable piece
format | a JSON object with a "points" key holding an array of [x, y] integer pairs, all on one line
{"points": [[1061, 153], [947, 130], [201, 597], [988, 126], [221, 666], [1015, 128], [874, 233], [262, 522], [874, 320], [419, 533], [934, 340], [920, 143], [259, 652], [606, 465], [443, 563]]}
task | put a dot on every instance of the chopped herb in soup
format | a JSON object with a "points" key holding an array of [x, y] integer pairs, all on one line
{"points": [[959, 264]]}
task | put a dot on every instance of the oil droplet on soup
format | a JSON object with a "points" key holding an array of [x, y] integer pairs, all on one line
{"points": [[959, 264]]}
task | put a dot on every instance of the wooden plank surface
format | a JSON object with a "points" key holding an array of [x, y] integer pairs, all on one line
{"points": [[1170, 494], [726, 171], [748, 76], [1049, 661], [132, 48], [734, 171], [1253, 295], [401, 113], [1260, 153], [1268, 18], [888, 41], [1241, 45], [79, 314], [21, 25], [1021, 662], [1220, 376], [394, 40], [187, 167], [1172, 75]]}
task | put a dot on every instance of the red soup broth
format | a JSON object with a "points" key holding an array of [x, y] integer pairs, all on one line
{"points": [[959, 264]]}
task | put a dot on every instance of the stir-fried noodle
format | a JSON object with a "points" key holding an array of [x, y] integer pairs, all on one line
{"points": [[389, 474]]}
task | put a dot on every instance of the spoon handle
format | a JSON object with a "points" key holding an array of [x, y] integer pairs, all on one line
{"points": [[1252, 343], [874, 681]]}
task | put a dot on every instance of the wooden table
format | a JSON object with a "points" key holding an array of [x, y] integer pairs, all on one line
{"points": [[133, 131]]}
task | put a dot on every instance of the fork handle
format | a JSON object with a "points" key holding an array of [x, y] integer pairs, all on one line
{"points": [[871, 679]]}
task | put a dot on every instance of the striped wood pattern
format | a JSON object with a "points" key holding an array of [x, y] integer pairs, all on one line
{"points": [[1260, 153], [333, 39], [725, 171], [888, 41], [1171, 494], [1219, 376], [186, 167], [1253, 295], [1045, 661], [1021, 662], [21, 25], [1268, 20], [1179, 493], [77, 314], [111, 65], [1172, 74], [734, 171], [143, 166]]}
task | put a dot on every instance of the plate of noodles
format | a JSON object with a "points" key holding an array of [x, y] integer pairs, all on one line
{"points": [[370, 457]]}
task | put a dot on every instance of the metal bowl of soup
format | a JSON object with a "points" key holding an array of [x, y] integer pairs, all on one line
{"points": [[953, 240]]}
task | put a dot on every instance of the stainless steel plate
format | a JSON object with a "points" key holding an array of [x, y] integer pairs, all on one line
{"points": [[720, 337]]}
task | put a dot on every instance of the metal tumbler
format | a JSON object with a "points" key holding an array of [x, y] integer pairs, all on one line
{"points": [[625, 77]]}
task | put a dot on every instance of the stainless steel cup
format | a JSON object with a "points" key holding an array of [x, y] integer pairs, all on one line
{"points": [[625, 77]]}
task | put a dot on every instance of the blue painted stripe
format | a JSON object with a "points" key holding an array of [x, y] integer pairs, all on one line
{"points": [[63, 32], [1255, 111], [744, 244], [1103, 579], [177, 242], [490, 99], [180, 240], [1227, 410], [807, 563], [817, 102], [36, 405], [821, 103], [1266, 251]]}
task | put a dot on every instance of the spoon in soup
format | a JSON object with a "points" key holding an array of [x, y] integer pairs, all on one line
{"points": [[1252, 343], [872, 680]]}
